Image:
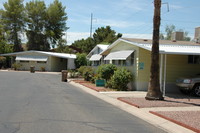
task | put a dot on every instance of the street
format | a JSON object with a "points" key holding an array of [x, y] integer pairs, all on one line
{"points": [[41, 103]]}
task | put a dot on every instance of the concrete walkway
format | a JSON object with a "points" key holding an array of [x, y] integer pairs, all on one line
{"points": [[143, 113]]}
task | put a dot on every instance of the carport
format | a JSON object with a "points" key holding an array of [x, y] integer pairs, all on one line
{"points": [[50, 61], [190, 58]]}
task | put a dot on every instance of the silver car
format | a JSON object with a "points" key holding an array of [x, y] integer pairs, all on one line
{"points": [[190, 85]]}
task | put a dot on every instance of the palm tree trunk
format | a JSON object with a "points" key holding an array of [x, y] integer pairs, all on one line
{"points": [[154, 92]]}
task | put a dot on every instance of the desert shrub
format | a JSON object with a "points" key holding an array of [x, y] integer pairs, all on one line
{"points": [[88, 73], [106, 71], [42, 69], [120, 79], [81, 70], [16, 66], [73, 74]]}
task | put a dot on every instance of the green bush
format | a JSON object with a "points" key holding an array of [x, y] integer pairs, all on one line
{"points": [[95, 77], [2, 61], [80, 60], [88, 73], [120, 79], [106, 71]]}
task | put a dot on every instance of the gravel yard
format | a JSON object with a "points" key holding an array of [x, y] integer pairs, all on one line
{"points": [[188, 119], [168, 102]]}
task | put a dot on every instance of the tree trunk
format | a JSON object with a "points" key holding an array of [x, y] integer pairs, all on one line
{"points": [[154, 92]]}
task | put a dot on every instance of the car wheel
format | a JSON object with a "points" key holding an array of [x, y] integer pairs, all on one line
{"points": [[196, 90]]}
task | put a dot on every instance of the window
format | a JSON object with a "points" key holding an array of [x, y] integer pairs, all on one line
{"points": [[23, 61], [106, 61], [115, 62], [193, 59], [123, 62], [95, 63], [130, 60], [42, 62]]}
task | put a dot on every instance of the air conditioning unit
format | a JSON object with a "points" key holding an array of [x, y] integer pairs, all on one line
{"points": [[177, 36], [197, 35]]}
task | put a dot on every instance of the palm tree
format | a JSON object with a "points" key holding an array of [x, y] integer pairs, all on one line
{"points": [[154, 92]]}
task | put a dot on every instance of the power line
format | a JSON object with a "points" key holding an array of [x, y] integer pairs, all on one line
{"points": [[182, 21]]}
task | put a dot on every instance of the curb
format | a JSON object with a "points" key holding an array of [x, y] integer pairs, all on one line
{"points": [[177, 122], [135, 105]]}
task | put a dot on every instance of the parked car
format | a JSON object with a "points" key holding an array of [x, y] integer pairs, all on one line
{"points": [[190, 85]]}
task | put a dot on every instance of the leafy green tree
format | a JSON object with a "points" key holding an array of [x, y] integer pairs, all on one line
{"points": [[56, 22], [45, 25], [4, 47], [86, 45], [79, 44], [61, 46], [80, 60], [36, 23], [161, 36], [2, 39], [89, 45], [12, 18], [169, 29], [105, 35], [101, 35]]}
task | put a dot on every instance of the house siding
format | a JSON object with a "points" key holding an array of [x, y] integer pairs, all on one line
{"points": [[26, 66], [143, 69]]}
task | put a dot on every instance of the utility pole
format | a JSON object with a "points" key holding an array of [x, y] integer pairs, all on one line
{"points": [[154, 92], [91, 25]]}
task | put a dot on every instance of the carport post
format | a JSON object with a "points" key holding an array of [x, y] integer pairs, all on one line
{"points": [[165, 70], [161, 71]]}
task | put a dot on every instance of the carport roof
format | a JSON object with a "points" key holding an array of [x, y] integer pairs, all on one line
{"points": [[60, 55]]}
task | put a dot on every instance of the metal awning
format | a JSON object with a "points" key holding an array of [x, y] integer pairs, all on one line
{"points": [[95, 57], [119, 55], [31, 58]]}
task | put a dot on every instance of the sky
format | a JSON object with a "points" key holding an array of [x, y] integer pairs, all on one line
{"points": [[132, 18]]}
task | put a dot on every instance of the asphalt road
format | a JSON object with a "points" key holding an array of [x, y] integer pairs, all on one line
{"points": [[41, 103]]}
